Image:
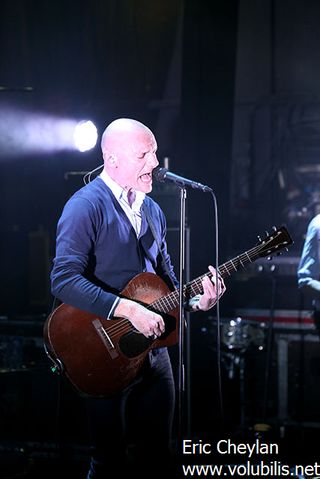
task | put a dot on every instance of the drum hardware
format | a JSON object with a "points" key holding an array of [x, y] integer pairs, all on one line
{"points": [[238, 337], [239, 334]]}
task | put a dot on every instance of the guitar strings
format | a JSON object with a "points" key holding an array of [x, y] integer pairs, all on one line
{"points": [[123, 325]]}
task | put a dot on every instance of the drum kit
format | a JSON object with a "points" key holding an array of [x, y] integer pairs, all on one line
{"points": [[240, 334], [239, 338]]}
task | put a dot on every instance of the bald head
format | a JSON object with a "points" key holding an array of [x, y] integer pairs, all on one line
{"points": [[120, 131], [129, 153]]}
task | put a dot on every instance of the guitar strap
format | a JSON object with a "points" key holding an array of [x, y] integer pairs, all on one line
{"points": [[154, 233]]}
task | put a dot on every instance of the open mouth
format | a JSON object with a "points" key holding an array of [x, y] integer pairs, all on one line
{"points": [[146, 177]]}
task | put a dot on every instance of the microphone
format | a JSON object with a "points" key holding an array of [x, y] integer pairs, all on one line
{"points": [[162, 174]]}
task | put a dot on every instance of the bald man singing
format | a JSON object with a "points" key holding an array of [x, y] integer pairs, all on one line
{"points": [[104, 239]]}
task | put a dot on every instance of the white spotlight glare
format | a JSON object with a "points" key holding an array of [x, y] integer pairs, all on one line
{"points": [[85, 136]]}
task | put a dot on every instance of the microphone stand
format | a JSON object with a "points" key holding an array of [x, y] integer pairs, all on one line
{"points": [[162, 174], [181, 376]]}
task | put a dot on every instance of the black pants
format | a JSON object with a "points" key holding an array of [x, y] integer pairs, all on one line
{"points": [[132, 430]]}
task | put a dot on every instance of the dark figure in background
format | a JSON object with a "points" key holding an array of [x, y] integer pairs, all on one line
{"points": [[103, 241], [309, 267]]}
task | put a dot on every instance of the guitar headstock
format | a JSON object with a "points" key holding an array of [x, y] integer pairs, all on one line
{"points": [[274, 242]]}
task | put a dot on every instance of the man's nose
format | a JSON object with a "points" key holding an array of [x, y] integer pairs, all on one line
{"points": [[153, 160]]}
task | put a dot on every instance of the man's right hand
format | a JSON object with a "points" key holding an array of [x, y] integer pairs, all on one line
{"points": [[147, 322]]}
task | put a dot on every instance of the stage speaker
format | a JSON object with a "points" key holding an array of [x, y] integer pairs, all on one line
{"points": [[284, 387]]}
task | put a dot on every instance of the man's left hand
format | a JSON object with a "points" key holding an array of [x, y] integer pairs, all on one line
{"points": [[211, 290]]}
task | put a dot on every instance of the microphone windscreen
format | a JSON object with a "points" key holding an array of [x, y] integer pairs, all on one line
{"points": [[159, 174]]}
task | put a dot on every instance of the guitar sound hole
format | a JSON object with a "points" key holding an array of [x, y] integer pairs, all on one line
{"points": [[132, 344]]}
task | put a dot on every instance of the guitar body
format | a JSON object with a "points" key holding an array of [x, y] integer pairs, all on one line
{"points": [[101, 357]]}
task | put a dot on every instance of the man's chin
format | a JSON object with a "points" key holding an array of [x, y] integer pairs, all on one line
{"points": [[144, 187]]}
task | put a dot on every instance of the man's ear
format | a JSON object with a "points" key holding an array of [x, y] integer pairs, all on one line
{"points": [[109, 158]]}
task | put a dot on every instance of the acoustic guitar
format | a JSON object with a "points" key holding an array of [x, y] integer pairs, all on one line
{"points": [[101, 357]]}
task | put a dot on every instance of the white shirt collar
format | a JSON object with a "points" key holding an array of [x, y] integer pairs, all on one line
{"points": [[120, 193]]}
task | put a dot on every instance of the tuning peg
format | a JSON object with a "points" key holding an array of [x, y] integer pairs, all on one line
{"points": [[267, 234], [274, 229], [259, 239]]}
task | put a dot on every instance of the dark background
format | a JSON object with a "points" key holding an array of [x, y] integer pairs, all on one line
{"points": [[231, 91]]}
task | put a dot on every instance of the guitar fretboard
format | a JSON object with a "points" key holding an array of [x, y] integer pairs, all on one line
{"points": [[279, 240], [171, 301]]}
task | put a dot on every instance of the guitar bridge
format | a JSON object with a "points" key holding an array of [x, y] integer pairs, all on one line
{"points": [[105, 338]]}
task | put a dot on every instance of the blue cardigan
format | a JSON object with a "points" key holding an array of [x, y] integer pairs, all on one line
{"points": [[98, 252]]}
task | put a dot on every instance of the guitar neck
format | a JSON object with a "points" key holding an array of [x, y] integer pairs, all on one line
{"points": [[273, 243], [171, 301]]}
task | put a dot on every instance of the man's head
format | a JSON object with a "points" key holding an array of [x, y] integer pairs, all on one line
{"points": [[129, 153]]}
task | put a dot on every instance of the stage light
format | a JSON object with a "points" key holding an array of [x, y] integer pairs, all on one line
{"points": [[85, 136], [25, 132]]}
